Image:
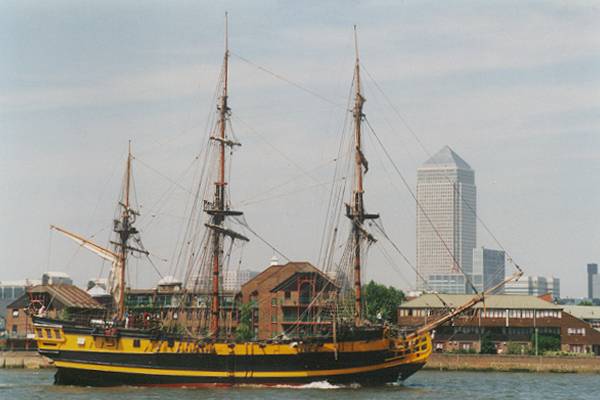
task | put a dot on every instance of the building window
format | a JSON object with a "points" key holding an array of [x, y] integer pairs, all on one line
{"points": [[274, 301], [287, 295], [274, 318], [14, 329], [576, 331], [305, 294], [576, 348], [15, 312]]}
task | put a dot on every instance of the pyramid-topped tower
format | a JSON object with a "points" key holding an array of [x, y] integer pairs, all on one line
{"points": [[446, 158], [446, 222]]}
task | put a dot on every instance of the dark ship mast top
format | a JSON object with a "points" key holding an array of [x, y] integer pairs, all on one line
{"points": [[218, 209], [355, 211]]}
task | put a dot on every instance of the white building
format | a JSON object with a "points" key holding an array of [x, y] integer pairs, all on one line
{"points": [[233, 280], [534, 286], [56, 278], [488, 269], [446, 196]]}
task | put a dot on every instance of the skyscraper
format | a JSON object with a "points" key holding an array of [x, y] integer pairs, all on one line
{"points": [[592, 271], [488, 269], [446, 222]]}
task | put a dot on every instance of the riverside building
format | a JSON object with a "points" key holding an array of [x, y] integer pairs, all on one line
{"points": [[446, 196], [512, 323]]}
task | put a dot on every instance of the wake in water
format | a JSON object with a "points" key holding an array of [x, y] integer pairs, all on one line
{"points": [[312, 385], [321, 385]]}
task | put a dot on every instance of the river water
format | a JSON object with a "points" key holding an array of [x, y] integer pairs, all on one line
{"points": [[425, 385]]}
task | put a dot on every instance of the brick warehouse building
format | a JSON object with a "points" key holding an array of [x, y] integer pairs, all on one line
{"points": [[58, 301], [505, 318], [281, 295]]}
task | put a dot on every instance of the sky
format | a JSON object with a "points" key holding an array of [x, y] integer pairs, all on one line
{"points": [[512, 86]]}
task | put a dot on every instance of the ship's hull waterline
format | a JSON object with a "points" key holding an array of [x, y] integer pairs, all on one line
{"points": [[92, 359]]}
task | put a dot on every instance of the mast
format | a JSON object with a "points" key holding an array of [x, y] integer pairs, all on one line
{"points": [[124, 229], [356, 211], [219, 192], [218, 210]]}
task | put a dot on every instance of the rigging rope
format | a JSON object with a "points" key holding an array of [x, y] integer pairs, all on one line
{"points": [[289, 81], [420, 206], [244, 223], [428, 153], [385, 235]]}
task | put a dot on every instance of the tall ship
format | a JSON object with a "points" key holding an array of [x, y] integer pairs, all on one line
{"points": [[205, 350]]}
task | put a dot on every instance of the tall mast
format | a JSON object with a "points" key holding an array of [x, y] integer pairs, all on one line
{"points": [[125, 229], [124, 238], [219, 203], [218, 210], [356, 210]]}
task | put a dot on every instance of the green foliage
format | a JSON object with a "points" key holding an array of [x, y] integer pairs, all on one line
{"points": [[487, 345], [585, 303], [517, 348], [244, 331], [568, 354], [546, 343], [382, 299]]}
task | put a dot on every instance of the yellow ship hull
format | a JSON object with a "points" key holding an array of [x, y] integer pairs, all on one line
{"points": [[86, 357]]}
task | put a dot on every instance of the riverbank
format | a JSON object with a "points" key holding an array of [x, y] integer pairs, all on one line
{"points": [[507, 363], [23, 359]]}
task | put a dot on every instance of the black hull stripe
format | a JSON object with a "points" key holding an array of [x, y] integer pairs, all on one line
{"points": [[81, 377], [203, 362]]}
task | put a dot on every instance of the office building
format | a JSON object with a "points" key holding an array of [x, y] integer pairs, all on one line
{"points": [[56, 278], [593, 281], [11, 290], [534, 286], [233, 280], [446, 222], [488, 269]]}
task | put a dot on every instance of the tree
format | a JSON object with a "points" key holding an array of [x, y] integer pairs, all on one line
{"points": [[487, 345], [546, 342], [383, 300], [243, 331], [517, 348]]}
